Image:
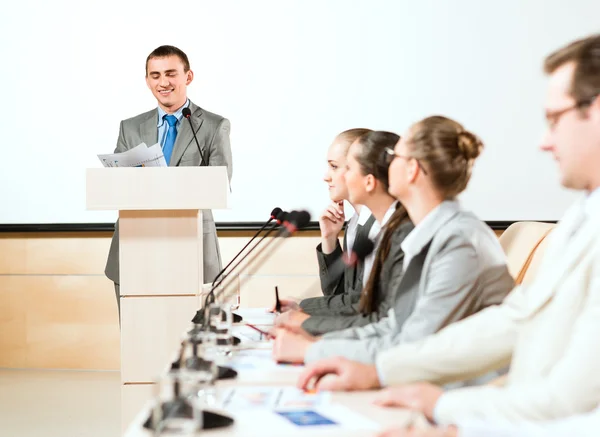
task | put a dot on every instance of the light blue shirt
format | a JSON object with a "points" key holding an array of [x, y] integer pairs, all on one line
{"points": [[163, 125]]}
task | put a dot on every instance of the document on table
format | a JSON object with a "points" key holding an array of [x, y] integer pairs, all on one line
{"points": [[249, 335], [257, 359], [256, 316], [288, 410], [140, 156], [273, 398]]}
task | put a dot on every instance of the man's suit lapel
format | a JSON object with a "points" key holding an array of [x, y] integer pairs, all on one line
{"points": [[149, 129], [185, 136], [571, 242]]}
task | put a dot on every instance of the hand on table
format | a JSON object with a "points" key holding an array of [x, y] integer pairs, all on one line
{"points": [[421, 397], [339, 374], [291, 320], [290, 347], [287, 304]]}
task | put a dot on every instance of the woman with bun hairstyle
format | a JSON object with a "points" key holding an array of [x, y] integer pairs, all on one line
{"points": [[453, 264]]}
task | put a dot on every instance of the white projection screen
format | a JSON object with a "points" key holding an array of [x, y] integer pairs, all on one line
{"points": [[289, 75]]}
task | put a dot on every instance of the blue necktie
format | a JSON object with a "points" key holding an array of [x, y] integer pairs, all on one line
{"points": [[170, 137]]}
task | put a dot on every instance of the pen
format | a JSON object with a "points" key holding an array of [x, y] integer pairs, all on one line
{"points": [[277, 301], [258, 329]]}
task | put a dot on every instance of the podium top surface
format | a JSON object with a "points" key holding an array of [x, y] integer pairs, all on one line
{"points": [[157, 188]]}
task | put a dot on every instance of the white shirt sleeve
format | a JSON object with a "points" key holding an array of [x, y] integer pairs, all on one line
{"points": [[587, 425]]}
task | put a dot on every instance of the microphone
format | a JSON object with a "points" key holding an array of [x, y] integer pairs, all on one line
{"points": [[210, 297], [281, 218], [359, 252], [295, 220], [273, 216], [187, 113]]}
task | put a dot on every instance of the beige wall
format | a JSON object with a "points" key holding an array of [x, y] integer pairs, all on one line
{"points": [[58, 310]]}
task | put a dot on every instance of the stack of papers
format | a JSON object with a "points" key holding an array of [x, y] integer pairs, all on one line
{"points": [[140, 156]]}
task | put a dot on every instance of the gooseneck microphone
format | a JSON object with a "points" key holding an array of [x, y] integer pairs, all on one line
{"points": [[272, 217], [295, 220], [210, 296], [282, 217], [187, 113]]}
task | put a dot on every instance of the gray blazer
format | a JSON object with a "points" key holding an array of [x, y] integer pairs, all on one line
{"points": [[349, 316], [212, 132], [341, 292], [457, 269]]}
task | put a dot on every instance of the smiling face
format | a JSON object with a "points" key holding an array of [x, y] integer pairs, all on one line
{"points": [[167, 79]]}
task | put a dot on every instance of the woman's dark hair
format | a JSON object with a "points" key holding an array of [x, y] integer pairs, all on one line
{"points": [[371, 154], [372, 159]]}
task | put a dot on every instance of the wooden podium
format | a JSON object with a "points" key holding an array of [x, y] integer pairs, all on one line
{"points": [[161, 261]]}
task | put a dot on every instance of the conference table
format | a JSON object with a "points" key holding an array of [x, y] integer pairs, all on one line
{"points": [[259, 423]]}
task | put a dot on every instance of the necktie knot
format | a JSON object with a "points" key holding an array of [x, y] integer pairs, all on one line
{"points": [[171, 119]]}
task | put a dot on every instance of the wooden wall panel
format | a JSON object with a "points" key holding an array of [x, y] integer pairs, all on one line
{"points": [[54, 253], [59, 311], [58, 322], [258, 291]]}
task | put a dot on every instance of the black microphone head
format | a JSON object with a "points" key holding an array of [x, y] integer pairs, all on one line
{"points": [[363, 248], [186, 112], [300, 219], [282, 216], [275, 212]]}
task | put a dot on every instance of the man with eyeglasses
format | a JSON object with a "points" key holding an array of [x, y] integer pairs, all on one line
{"points": [[547, 331]]}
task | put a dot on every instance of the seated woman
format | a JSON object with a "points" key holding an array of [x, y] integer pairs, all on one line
{"points": [[366, 179], [341, 288], [453, 266]]}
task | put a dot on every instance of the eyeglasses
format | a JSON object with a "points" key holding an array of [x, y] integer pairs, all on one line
{"points": [[390, 155], [553, 117]]}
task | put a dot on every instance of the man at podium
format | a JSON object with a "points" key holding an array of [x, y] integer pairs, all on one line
{"points": [[168, 75]]}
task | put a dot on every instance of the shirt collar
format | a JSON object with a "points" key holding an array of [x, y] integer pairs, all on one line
{"points": [[364, 215], [178, 113], [428, 227], [591, 204], [388, 213]]}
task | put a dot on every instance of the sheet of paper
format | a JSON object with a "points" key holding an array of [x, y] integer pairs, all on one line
{"points": [[320, 421], [139, 156], [257, 359], [306, 418], [256, 316], [273, 398], [250, 335]]}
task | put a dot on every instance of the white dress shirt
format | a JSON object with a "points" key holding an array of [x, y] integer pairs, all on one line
{"points": [[585, 425], [592, 202], [352, 227], [408, 244], [375, 235]]}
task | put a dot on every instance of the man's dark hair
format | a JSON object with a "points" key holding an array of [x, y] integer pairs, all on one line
{"points": [[585, 54], [165, 51]]}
